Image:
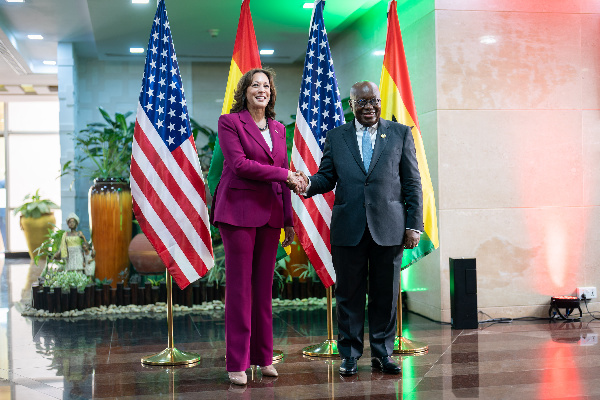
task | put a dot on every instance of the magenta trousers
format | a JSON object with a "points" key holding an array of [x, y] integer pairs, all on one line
{"points": [[249, 265]]}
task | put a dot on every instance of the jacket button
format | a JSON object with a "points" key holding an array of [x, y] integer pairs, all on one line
{"points": [[364, 205], [366, 183], [271, 162]]}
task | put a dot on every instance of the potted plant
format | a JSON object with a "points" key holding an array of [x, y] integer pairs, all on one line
{"points": [[48, 248], [105, 155], [36, 218]]}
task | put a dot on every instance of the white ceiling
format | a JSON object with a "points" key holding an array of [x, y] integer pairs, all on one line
{"points": [[106, 29]]}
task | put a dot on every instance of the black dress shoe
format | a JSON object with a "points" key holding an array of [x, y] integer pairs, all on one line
{"points": [[348, 366], [385, 364]]}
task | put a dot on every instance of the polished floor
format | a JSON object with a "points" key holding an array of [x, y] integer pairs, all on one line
{"points": [[100, 358]]}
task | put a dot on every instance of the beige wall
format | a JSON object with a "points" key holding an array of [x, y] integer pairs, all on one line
{"points": [[519, 148], [508, 98]]}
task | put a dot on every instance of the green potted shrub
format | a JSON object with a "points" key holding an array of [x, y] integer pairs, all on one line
{"points": [[36, 218]]}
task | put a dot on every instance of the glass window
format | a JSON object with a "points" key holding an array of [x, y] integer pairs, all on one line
{"points": [[1, 117], [35, 116], [33, 163]]}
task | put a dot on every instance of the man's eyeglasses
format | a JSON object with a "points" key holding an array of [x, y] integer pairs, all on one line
{"points": [[364, 102]]}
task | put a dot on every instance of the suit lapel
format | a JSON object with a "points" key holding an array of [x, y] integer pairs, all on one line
{"points": [[276, 137], [253, 131], [352, 143], [380, 143]]}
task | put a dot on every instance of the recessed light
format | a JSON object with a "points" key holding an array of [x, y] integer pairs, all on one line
{"points": [[488, 39], [267, 51], [49, 62], [308, 5], [35, 37], [379, 53], [136, 50], [15, 1], [140, 1]]}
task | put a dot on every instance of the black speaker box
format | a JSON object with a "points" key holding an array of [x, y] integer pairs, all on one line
{"points": [[463, 293]]}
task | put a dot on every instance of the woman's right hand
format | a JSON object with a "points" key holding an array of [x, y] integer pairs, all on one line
{"points": [[296, 182]]}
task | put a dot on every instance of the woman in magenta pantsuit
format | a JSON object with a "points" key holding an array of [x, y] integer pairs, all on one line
{"points": [[251, 205]]}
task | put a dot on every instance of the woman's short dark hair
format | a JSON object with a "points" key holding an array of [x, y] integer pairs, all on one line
{"points": [[239, 96]]}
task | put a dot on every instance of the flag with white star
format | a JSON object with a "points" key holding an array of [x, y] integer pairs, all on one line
{"points": [[169, 197], [319, 110]]}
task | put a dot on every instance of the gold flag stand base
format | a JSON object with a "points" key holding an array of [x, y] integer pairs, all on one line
{"points": [[171, 356], [406, 346], [327, 348], [277, 356], [403, 345]]}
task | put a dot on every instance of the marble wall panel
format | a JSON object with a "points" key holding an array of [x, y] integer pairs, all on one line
{"points": [[508, 60], [524, 255], [590, 60], [590, 275], [491, 159], [590, 129]]}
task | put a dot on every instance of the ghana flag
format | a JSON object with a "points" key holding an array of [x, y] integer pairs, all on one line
{"points": [[245, 57], [397, 104]]}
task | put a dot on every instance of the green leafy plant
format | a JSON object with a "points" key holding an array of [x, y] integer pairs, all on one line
{"points": [[155, 281], [49, 247], [205, 152], [99, 283], [34, 206], [308, 271], [216, 275], [123, 275], [279, 276], [106, 148], [67, 279]]}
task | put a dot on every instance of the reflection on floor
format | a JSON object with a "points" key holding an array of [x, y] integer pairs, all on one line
{"points": [[100, 358]]}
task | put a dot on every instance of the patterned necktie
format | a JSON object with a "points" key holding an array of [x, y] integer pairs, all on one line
{"points": [[367, 149]]}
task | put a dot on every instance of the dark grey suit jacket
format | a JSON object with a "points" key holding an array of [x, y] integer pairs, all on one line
{"points": [[388, 197]]}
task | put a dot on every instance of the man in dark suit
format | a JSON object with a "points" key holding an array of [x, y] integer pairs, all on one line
{"points": [[377, 212]]}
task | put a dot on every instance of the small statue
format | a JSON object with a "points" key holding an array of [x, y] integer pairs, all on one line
{"points": [[72, 246], [89, 255]]}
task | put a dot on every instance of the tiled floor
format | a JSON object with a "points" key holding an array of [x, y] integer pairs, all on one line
{"points": [[100, 358]]}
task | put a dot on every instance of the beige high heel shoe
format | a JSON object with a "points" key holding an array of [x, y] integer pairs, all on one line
{"points": [[269, 370], [239, 378]]}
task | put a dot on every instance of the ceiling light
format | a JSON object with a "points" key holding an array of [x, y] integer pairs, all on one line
{"points": [[488, 39], [308, 5], [15, 1], [136, 50], [49, 62], [27, 88], [140, 1], [35, 37], [379, 53], [267, 51]]}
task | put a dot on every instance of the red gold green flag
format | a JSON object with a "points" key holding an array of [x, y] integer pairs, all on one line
{"points": [[397, 104], [245, 57]]}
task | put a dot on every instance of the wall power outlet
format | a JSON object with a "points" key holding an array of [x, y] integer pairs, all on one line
{"points": [[590, 292]]}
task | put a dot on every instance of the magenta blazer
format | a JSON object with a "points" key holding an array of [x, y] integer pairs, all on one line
{"points": [[252, 190]]}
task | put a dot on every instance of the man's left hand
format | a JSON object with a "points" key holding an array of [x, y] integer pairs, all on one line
{"points": [[289, 236], [411, 239]]}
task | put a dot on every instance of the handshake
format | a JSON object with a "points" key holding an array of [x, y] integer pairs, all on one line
{"points": [[297, 182]]}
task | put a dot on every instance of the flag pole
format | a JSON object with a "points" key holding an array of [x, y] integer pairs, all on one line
{"points": [[403, 345], [327, 348], [171, 355]]}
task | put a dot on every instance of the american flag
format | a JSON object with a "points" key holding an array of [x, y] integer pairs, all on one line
{"points": [[169, 198], [319, 110]]}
